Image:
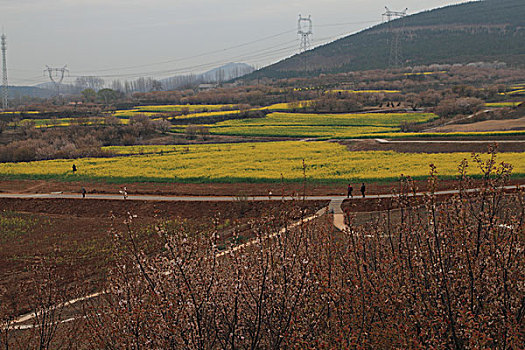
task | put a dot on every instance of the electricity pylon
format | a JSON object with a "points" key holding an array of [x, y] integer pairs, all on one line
{"points": [[304, 29], [56, 75], [395, 59]]}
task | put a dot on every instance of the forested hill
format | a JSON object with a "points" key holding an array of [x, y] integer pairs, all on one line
{"points": [[490, 30]]}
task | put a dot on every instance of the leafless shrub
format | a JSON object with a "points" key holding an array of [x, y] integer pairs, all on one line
{"points": [[444, 275], [162, 125], [454, 106], [46, 326]]}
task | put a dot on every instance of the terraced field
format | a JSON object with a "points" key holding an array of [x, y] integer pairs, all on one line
{"points": [[515, 90], [320, 125], [156, 110], [247, 162], [49, 123]]}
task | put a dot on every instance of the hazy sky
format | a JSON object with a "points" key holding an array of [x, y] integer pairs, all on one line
{"points": [[126, 39]]}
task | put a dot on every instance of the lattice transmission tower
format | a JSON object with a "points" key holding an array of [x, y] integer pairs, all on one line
{"points": [[395, 59], [5, 83], [56, 75], [304, 30]]}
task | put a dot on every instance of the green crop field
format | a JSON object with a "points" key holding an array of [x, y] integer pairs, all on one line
{"points": [[55, 122], [320, 125]]}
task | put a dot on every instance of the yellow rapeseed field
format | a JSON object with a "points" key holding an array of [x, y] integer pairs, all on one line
{"points": [[190, 108], [287, 106], [364, 91], [320, 125], [206, 114], [516, 90], [426, 73], [249, 162], [58, 122], [193, 110], [502, 104]]}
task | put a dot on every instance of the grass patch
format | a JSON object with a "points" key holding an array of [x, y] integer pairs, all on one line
{"points": [[14, 225]]}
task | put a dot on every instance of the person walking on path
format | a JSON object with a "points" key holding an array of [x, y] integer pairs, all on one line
{"points": [[83, 192], [350, 189], [74, 168], [124, 192], [363, 188]]}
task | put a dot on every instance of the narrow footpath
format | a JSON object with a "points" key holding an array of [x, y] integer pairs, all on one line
{"points": [[155, 198]]}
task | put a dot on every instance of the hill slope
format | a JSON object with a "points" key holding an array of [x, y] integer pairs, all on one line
{"points": [[31, 91], [487, 30]]}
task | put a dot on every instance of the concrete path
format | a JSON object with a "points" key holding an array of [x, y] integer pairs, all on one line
{"points": [[339, 215], [59, 195]]}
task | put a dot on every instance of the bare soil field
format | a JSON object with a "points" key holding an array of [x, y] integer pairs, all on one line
{"points": [[431, 147], [365, 211], [78, 234], [487, 125], [369, 205]]}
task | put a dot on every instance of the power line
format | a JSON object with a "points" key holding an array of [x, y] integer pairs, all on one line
{"points": [[212, 64], [252, 55], [345, 24], [215, 51], [260, 54], [198, 55]]}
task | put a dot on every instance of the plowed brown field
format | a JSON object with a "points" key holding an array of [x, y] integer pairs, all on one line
{"points": [[78, 233]]}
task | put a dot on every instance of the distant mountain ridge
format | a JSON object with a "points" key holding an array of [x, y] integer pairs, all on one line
{"points": [[31, 91], [227, 72], [490, 30]]}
